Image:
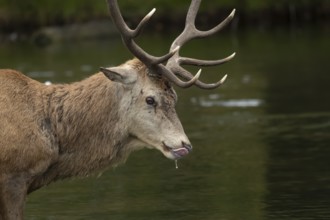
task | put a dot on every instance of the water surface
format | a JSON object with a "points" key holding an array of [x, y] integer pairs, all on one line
{"points": [[261, 142]]}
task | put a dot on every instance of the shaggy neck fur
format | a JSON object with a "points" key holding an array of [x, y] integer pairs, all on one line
{"points": [[80, 118]]}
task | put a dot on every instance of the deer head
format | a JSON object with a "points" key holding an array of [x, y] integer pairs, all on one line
{"points": [[148, 81]]}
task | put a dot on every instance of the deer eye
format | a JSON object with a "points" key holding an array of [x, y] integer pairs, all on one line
{"points": [[150, 101]]}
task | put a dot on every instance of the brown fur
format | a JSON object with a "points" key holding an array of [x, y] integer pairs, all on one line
{"points": [[53, 132]]}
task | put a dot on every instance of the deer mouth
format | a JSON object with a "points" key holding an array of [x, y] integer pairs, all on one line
{"points": [[177, 153]]}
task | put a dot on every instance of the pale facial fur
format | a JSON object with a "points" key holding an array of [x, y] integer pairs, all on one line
{"points": [[154, 125]]}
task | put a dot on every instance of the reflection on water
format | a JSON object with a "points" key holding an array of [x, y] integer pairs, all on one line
{"points": [[261, 142], [242, 103], [299, 185]]}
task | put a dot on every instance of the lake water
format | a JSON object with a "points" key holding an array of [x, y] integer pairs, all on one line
{"points": [[261, 142]]}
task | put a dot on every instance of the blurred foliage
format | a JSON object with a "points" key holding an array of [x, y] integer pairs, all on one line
{"points": [[32, 13], [41, 12]]}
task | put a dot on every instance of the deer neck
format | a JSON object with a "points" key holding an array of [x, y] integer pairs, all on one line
{"points": [[88, 127]]}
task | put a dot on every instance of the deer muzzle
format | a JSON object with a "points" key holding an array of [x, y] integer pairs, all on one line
{"points": [[179, 152]]}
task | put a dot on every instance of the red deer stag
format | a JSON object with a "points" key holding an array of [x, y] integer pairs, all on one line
{"points": [[48, 133]]}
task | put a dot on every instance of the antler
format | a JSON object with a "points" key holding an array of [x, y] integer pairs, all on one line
{"points": [[172, 68], [191, 32]]}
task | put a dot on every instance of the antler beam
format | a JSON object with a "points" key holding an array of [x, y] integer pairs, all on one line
{"points": [[172, 70], [191, 32]]}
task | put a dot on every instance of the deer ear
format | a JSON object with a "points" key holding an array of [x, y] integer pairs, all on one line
{"points": [[119, 74]]}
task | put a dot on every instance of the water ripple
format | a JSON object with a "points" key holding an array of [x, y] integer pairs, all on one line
{"points": [[231, 103]]}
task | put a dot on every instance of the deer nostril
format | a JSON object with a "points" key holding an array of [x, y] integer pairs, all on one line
{"points": [[187, 146]]}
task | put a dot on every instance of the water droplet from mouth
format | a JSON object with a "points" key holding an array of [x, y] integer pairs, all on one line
{"points": [[176, 164]]}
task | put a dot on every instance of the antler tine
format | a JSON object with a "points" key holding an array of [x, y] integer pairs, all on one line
{"points": [[120, 23], [217, 28], [197, 62], [117, 18], [191, 32], [174, 79], [128, 35], [143, 22], [187, 75], [192, 12]]}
